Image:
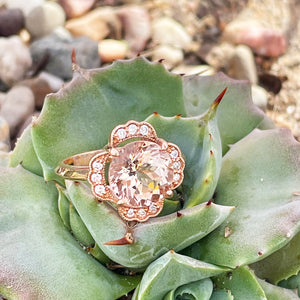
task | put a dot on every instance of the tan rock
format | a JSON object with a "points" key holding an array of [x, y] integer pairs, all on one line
{"points": [[136, 24], [167, 31], [171, 56], [93, 25], [110, 50]]}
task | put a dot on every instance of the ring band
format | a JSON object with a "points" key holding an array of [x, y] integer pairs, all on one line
{"points": [[136, 176]]}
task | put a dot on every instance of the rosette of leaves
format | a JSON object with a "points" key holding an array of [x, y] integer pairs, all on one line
{"points": [[233, 223]]}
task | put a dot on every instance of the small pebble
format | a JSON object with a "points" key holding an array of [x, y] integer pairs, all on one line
{"points": [[202, 70], [241, 65], [18, 106], [11, 21], [171, 56], [4, 135], [167, 31], [110, 50], [91, 25], [25, 6], [15, 60], [59, 52], [137, 29], [263, 41], [43, 19], [76, 8], [259, 97]]}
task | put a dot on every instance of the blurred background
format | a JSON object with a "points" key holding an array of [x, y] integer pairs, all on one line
{"points": [[255, 40]]}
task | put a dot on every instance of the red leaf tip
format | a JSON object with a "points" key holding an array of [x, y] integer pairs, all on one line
{"points": [[219, 98]]}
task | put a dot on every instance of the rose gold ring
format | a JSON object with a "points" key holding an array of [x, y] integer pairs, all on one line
{"points": [[137, 176]]}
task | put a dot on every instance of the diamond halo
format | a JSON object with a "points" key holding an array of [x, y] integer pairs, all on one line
{"points": [[141, 173]]}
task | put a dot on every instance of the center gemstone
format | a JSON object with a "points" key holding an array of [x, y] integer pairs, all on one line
{"points": [[140, 174]]}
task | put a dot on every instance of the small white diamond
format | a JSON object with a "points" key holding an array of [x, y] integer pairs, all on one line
{"points": [[144, 130], [142, 213], [96, 177], [97, 165], [132, 129], [177, 165], [153, 208], [99, 189], [130, 213], [148, 202], [176, 177], [121, 133], [174, 153]]}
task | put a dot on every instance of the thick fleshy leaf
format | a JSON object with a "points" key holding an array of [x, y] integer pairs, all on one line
{"points": [[81, 116], [197, 290], [237, 115], [24, 154], [282, 264], [260, 175], [171, 271], [242, 284], [39, 258], [274, 292], [291, 283], [78, 228], [4, 159], [63, 207], [152, 238], [221, 295], [199, 140]]}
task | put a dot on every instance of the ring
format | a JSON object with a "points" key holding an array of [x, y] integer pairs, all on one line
{"points": [[136, 176]]}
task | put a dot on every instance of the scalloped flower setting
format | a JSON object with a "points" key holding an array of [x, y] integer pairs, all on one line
{"points": [[140, 174]]}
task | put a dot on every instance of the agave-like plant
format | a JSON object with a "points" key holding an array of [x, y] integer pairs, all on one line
{"points": [[233, 222]]}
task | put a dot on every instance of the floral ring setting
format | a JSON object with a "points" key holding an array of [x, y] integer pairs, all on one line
{"points": [[136, 176]]}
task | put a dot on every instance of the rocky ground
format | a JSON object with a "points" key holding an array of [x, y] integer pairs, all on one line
{"points": [[256, 40]]}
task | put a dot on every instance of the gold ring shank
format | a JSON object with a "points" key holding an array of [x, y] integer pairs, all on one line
{"points": [[76, 167]]}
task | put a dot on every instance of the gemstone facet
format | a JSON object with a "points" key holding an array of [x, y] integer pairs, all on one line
{"points": [[141, 173], [97, 165]]}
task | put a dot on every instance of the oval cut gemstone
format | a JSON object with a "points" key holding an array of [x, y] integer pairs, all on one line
{"points": [[141, 174]]}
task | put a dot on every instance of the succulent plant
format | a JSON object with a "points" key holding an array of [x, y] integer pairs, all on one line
{"points": [[233, 223]]}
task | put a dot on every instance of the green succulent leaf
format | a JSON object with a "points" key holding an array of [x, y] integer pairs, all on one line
{"points": [[242, 284], [237, 115], [78, 228], [260, 176], [24, 154], [274, 292], [4, 159], [282, 264], [80, 117], [39, 258], [152, 238], [291, 283], [221, 295], [169, 272], [197, 290], [199, 140], [63, 207]]}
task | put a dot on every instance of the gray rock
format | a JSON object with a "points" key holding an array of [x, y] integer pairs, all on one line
{"points": [[25, 6], [260, 97], [59, 51], [11, 21], [241, 65], [15, 60], [18, 106], [43, 19]]}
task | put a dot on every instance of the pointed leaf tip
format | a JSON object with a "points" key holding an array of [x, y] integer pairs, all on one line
{"points": [[219, 98], [126, 240], [73, 57]]}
